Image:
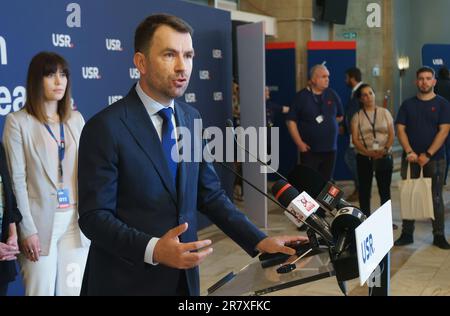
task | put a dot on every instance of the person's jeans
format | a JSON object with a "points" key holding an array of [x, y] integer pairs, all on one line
{"points": [[365, 167], [435, 170], [350, 161], [447, 157]]}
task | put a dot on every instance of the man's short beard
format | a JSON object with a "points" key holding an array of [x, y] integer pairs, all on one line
{"points": [[426, 91]]}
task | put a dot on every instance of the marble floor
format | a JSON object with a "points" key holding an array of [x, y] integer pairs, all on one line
{"points": [[417, 269]]}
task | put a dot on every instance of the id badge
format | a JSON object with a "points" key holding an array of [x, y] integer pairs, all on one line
{"points": [[319, 119], [376, 145], [63, 198]]}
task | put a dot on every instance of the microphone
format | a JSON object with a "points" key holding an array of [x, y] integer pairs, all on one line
{"points": [[344, 256], [303, 206], [229, 123], [346, 220], [343, 227], [288, 211]]}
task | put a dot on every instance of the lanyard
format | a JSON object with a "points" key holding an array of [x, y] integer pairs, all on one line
{"points": [[318, 99], [372, 124], [61, 148]]}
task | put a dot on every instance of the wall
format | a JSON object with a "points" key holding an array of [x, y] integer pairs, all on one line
{"points": [[417, 23], [374, 44], [294, 22]]}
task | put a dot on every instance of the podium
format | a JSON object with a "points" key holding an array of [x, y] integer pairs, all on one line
{"points": [[255, 280], [366, 256]]}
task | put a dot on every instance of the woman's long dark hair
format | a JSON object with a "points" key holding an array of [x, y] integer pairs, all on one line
{"points": [[41, 65], [358, 93]]}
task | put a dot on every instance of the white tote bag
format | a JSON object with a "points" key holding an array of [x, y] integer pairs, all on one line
{"points": [[416, 199]]}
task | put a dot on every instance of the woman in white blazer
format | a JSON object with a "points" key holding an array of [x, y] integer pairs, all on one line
{"points": [[41, 143]]}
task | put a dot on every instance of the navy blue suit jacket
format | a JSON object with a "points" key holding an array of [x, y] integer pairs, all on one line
{"points": [[126, 197]]}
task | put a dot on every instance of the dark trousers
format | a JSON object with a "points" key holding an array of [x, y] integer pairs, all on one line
{"points": [[3, 289], [365, 167], [435, 170], [321, 162], [182, 287], [350, 161]]}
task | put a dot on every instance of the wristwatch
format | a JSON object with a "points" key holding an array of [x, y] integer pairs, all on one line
{"points": [[428, 155]]}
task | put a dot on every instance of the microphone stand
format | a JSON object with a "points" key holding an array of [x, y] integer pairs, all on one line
{"points": [[314, 243]]}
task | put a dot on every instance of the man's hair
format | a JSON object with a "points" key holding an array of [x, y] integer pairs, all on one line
{"points": [[443, 73], [42, 65], [425, 69], [354, 73], [147, 28], [314, 68]]}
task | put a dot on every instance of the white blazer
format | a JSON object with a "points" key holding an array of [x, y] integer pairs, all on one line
{"points": [[34, 181]]}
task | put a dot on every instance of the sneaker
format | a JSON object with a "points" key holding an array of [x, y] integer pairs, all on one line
{"points": [[354, 197], [441, 242], [405, 239]]}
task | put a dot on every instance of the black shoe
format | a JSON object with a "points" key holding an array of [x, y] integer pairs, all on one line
{"points": [[405, 239], [441, 242]]}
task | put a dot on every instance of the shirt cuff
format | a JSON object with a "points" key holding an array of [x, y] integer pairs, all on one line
{"points": [[148, 258]]}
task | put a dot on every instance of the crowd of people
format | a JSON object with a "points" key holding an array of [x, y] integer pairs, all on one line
{"points": [[422, 126]]}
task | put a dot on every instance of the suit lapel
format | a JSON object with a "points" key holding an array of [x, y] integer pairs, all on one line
{"points": [[71, 128], [39, 145], [183, 120], [143, 131]]}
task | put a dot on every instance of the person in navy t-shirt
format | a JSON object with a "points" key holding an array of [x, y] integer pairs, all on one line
{"points": [[313, 122], [423, 123]]}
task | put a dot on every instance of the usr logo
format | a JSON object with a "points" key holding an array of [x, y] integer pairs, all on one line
{"points": [[91, 73], [134, 73], [62, 40], [113, 44]]}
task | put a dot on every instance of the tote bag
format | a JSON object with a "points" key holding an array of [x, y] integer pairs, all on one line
{"points": [[416, 200]]}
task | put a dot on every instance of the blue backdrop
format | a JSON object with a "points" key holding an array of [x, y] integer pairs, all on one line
{"points": [[96, 37], [436, 55], [338, 56], [280, 78]]}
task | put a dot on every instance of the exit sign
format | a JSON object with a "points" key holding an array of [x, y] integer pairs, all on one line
{"points": [[350, 35]]}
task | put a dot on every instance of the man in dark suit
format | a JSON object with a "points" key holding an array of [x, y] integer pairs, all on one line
{"points": [[137, 204], [353, 80]]}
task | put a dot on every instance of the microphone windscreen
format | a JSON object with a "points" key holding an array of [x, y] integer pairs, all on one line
{"points": [[284, 192], [306, 179]]}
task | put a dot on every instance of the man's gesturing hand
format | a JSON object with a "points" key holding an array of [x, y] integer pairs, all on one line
{"points": [[278, 244], [171, 252]]}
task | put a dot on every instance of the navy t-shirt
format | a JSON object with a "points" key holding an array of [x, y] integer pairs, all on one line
{"points": [[304, 110], [422, 120]]}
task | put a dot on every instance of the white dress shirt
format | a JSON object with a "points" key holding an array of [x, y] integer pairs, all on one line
{"points": [[153, 108]]}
